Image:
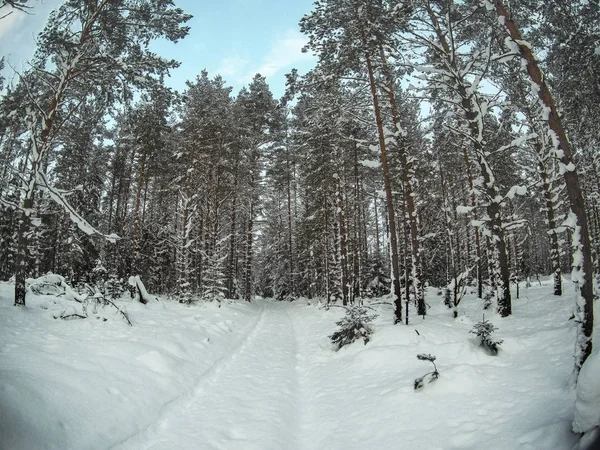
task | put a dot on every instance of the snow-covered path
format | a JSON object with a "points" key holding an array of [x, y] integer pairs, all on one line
{"points": [[264, 375], [250, 399]]}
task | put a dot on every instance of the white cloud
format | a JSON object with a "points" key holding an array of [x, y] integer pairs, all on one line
{"points": [[233, 67], [285, 52], [18, 32], [10, 22]]}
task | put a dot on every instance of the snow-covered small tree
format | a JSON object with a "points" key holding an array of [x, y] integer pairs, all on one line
{"points": [[433, 375], [353, 326], [483, 330]]}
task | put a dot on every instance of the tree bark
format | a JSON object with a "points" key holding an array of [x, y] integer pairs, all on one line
{"points": [[491, 191], [565, 155], [343, 250], [410, 215], [393, 238]]}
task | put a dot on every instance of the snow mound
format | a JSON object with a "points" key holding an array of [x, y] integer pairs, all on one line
{"points": [[49, 284], [587, 405]]}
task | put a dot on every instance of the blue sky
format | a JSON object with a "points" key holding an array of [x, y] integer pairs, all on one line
{"points": [[235, 38]]}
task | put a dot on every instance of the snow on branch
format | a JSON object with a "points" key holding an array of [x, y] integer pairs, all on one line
{"points": [[517, 142], [516, 190], [515, 224], [461, 209], [11, 204], [370, 163], [58, 197]]}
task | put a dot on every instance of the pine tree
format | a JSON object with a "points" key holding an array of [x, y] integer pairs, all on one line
{"points": [[258, 131], [450, 72], [351, 37], [93, 47], [582, 268]]}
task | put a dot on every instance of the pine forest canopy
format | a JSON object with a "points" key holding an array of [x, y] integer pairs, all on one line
{"points": [[435, 143]]}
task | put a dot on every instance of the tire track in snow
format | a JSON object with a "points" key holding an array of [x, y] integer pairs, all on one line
{"points": [[306, 416], [251, 402], [183, 401]]}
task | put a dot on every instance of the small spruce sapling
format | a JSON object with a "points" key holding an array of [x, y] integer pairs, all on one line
{"points": [[434, 375], [114, 287], [484, 330], [353, 326], [488, 298], [447, 299]]}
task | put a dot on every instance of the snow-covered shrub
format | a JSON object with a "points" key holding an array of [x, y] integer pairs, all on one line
{"points": [[49, 284], [140, 293], [447, 297], [93, 302], [187, 298], [433, 375], [483, 330], [183, 294], [96, 300], [353, 326], [379, 284]]}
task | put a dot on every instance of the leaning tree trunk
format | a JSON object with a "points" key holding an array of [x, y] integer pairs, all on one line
{"points": [[583, 269]]}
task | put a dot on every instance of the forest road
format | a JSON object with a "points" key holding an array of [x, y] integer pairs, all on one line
{"points": [[254, 398]]}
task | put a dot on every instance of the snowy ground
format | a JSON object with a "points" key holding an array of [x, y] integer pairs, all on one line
{"points": [[264, 376]]}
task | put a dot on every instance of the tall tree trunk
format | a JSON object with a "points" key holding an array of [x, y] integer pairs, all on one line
{"points": [[248, 258], [478, 254], [232, 240], [342, 246], [357, 231], [552, 234], [136, 211], [584, 270], [377, 235], [393, 238], [450, 231], [468, 100], [290, 242], [325, 244], [410, 215]]}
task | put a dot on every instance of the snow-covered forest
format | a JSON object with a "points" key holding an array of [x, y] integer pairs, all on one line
{"points": [[437, 172]]}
